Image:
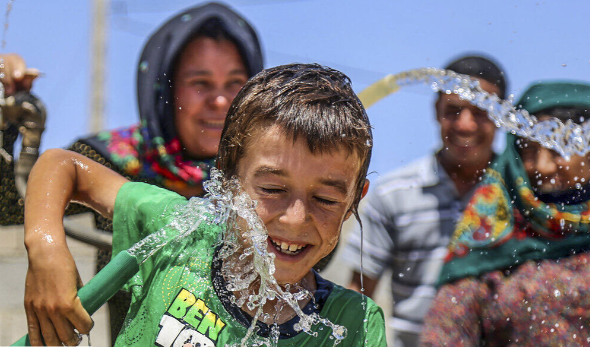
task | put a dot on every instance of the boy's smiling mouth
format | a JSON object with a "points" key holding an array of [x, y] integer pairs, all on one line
{"points": [[286, 247]]}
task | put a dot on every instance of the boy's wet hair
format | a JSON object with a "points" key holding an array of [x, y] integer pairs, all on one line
{"points": [[307, 101]]}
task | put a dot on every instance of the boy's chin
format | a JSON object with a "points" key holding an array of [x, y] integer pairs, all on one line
{"points": [[284, 279]]}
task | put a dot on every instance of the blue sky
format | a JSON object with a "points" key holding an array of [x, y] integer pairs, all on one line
{"points": [[367, 40]]}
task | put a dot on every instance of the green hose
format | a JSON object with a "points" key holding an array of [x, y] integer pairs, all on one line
{"points": [[102, 286]]}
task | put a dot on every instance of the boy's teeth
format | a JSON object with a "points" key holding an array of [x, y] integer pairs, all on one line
{"points": [[286, 248]]}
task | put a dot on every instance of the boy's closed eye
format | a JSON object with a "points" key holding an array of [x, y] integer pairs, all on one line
{"points": [[325, 201], [272, 190], [275, 190]]}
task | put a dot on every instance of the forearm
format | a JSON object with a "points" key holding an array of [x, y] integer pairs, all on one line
{"points": [[61, 176], [51, 301]]}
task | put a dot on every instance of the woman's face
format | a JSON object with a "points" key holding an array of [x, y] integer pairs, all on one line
{"points": [[207, 77], [548, 171]]}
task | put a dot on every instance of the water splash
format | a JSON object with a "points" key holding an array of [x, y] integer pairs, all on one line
{"points": [[247, 265], [567, 138], [176, 231]]}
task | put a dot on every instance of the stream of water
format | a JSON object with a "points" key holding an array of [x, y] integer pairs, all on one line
{"points": [[567, 138]]}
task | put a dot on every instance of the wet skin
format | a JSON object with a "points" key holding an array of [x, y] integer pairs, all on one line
{"points": [[303, 198], [208, 76], [548, 171], [466, 131]]}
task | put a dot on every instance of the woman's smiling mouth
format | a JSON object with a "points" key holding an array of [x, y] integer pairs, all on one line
{"points": [[213, 123]]}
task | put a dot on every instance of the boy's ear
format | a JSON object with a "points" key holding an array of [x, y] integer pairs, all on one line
{"points": [[365, 188], [364, 192]]}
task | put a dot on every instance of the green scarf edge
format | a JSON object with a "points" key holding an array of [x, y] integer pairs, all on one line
{"points": [[500, 258]]}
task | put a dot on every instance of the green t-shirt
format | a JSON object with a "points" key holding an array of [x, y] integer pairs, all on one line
{"points": [[173, 299]]}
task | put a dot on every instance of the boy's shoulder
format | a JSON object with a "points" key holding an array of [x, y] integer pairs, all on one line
{"points": [[359, 314], [350, 300]]}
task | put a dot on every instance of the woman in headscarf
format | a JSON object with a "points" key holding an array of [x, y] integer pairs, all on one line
{"points": [[188, 74], [518, 264]]}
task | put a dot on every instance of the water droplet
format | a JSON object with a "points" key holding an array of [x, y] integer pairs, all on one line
{"points": [[143, 67]]}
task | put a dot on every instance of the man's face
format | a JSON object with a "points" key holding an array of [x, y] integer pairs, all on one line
{"points": [[208, 76], [466, 131], [548, 171], [303, 198]]}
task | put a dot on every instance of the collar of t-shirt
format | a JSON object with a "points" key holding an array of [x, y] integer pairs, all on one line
{"points": [[287, 329]]}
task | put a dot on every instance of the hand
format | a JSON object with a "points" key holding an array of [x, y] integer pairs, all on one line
{"points": [[52, 305], [17, 77]]}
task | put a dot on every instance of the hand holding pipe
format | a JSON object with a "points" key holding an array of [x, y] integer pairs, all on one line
{"points": [[102, 286]]}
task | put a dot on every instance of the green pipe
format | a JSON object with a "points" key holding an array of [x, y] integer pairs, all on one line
{"points": [[102, 286]]}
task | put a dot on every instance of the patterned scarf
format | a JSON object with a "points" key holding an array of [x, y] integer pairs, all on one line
{"points": [[137, 155], [505, 224]]}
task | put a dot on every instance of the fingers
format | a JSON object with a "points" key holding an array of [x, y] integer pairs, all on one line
{"points": [[65, 331], [34, 329], [54, 326], [14, 74], [47, 332], [80, 318], [26, 83]]}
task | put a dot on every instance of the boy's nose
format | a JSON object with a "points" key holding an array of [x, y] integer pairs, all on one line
{"points": [[296, 213]]}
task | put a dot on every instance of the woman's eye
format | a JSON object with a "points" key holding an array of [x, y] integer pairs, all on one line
{"points": [[239, 83], [198, 83]]}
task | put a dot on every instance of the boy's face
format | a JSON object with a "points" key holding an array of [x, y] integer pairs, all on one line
{"points": [[303, 198]]}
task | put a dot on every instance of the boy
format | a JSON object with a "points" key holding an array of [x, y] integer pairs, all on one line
{"points": [[299, 141]]}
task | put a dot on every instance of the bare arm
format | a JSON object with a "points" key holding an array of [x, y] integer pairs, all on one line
{"points": [[369, 284], [51, 302]]}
